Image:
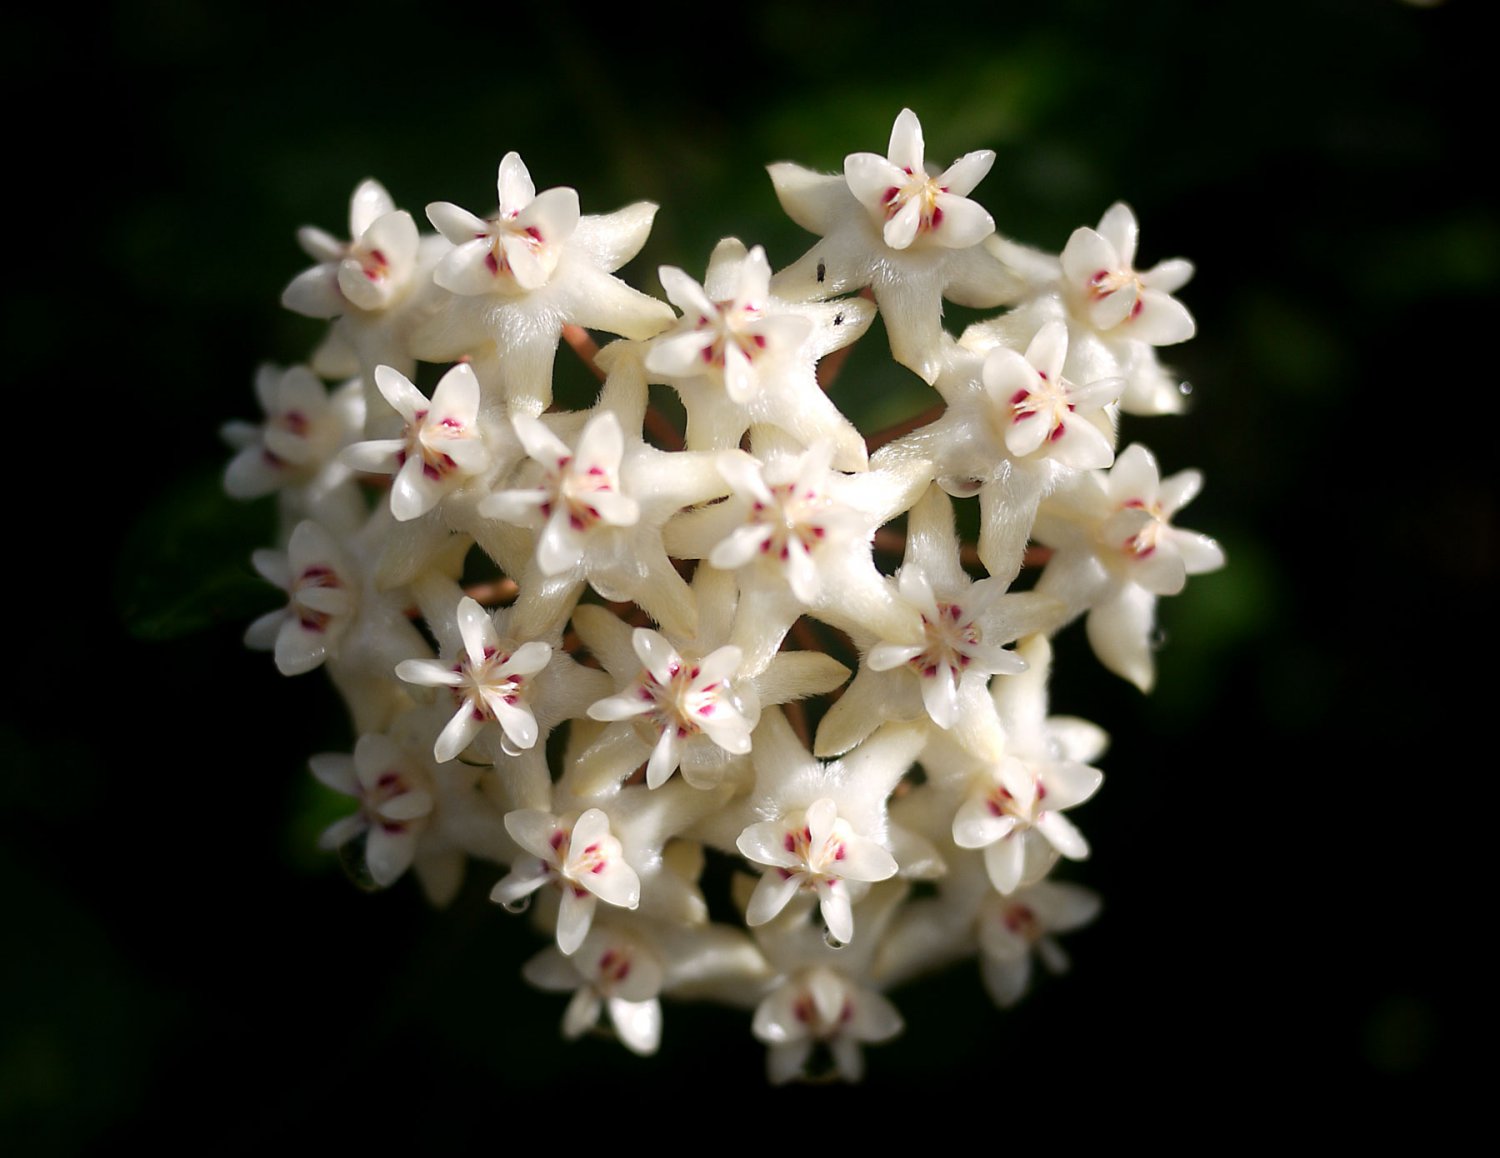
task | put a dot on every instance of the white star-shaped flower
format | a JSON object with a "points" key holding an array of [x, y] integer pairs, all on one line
{"points": [[600, 498], [726, 339], [793, 514], [913, 238], [610, 971], [962, 644], [742, 357], [518, 277], [519, 246], [1014, 928], [304, 428], [323, 598], [686, 702], [942, 672], [825, 996], [1116, 551], [1015, 814], [577, 854], [579, 490], [797, 535], [681, 698], [1104, 286], [490, 682], [440, 446], [822, 1006], [821, 830], [813, 850], [395, 803], [909, 204], [1041, 413], [1012, 808], [371, 272]]}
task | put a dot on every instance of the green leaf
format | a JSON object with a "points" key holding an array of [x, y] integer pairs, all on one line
{"points": [[186, 567]]}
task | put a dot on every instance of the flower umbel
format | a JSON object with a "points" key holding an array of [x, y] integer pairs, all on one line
{"points": [[602, 656]]}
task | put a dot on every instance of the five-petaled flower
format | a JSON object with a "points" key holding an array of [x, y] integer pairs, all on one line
{"points": [[908, 203], [817, 851], [323, 599], [1040, 412], [439, 447], [371, 272], [579, 490], [518, 247], [610, 971], [395, 803], [821, 1006], [1106, 289], [302, 433], [680, 698], [578, 855], [489, 682]]}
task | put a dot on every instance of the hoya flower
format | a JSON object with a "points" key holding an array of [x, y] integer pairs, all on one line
{"points": [[600, 498], [1013, 807], [820, 1006], [613, 971], [740, 356], [1150, 550], [685, 702], [726, 339], [797, 534], [370, 272], [1039, 412], [680, 698], [1015, 429], [395, 803], [792, 514], [961, 644], [1099, 272], [440, 446], [1013, 929], [578, 491], [1015, 814], [813, 850], [825, 998], [821, 831], [578, 855], [520, 276], [908, 203], [913, 238], [520, 245], [303, 431], [943, 672], [323, 598], [1116, 551], [490, 682], [1100, 346]]}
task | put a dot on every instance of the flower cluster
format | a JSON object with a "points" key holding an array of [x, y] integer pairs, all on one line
{"points": [[666, 602]]}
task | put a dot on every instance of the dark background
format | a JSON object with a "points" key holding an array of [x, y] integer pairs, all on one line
{"points": [[1290, 831]]}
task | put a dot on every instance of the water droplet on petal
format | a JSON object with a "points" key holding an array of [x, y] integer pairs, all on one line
{"points": [[1158, 639], [1184, 388], [519, 905], [831, 941], [351, 856], [962, 486], [507, 747]]}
